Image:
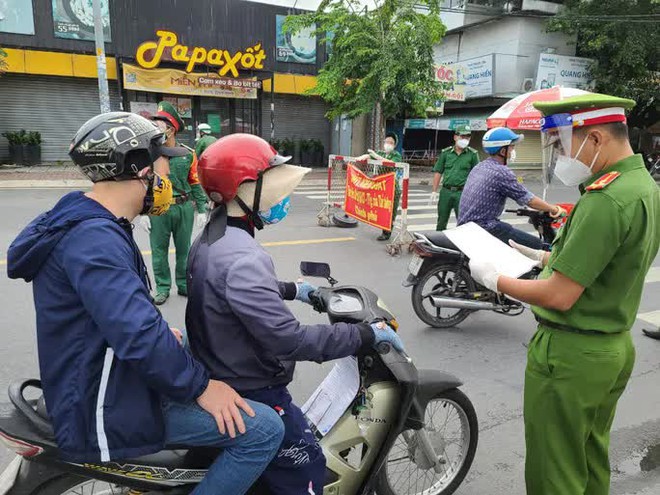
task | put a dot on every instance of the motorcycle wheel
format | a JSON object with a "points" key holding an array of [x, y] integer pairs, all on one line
{"points": [[75, 485], [406, 470], [421, 301]]}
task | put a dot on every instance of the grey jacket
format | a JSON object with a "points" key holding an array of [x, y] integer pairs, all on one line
{"points": [[238, 324]]}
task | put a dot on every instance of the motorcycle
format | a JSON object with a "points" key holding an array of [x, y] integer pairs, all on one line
{"points": [[402, 420], [443, 291], [653, 166]]}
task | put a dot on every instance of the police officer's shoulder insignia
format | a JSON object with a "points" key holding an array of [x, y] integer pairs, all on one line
{"points": [[448, 148], [604, 181], [472, 149]]}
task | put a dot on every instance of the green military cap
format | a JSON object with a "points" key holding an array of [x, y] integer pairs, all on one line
{"points": [[588, 109], [463, 130], [168, 113]]}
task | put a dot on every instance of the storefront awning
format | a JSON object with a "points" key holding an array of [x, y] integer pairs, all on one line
{"points": [[448, 123]]}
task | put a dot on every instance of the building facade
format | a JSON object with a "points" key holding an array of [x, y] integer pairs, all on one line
{"points": [[227, 63], [498, 47]]}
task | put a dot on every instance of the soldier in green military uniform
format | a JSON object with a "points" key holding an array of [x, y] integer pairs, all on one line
{"points": [[205, 139], [454, 164], [178, 222], [587, 297], [389, 153]]}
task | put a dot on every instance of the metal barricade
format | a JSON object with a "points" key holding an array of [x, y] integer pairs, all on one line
{"points": [[336, 191]]}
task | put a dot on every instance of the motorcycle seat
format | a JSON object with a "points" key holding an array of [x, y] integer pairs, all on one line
{"points": [[439, 239]]}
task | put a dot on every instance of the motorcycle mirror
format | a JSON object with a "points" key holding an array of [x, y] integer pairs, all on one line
{"points": [[313, 269]]}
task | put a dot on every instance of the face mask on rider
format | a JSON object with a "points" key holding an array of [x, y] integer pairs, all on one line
{"points": [[572, 171], [276, 213], [159, 195], [388, 147]]}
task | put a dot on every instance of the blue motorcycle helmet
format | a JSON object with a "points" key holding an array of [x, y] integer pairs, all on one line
{"points": [[500, 137]]}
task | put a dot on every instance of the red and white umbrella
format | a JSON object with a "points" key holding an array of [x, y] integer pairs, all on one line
{"points": [[519, 113]]}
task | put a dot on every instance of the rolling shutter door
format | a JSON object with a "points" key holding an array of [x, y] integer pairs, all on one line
{"points": [[528, 153], [297, 117], [54, 106]]}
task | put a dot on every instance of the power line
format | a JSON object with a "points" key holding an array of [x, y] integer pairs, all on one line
{"points": [[627, 18]]}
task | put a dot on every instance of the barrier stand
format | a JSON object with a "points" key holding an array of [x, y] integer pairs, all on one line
{"points": [[336, 190]]}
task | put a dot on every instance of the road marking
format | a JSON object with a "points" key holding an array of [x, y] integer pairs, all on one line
{"points": [[301, 242], [281, 243], [653, 275], [652, 317]]}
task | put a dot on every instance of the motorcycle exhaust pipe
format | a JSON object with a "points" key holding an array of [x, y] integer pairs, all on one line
{"points": [[449, 302]]}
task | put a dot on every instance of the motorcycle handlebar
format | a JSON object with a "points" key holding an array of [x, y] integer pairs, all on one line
{"points": [[523, 212]]}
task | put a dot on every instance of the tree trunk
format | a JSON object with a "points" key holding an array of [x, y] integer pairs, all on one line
{"points": [[377, 131]]}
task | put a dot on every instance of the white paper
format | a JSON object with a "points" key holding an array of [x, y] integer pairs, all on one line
{"points": [[334, 395], [478, 244]]}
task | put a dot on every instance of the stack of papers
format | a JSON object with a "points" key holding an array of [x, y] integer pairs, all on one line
{"points": [[334, 395], [478, 244]]}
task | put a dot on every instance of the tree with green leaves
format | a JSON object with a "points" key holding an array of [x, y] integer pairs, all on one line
{"points": [[623, 37], [3, 61], [381, 58]]}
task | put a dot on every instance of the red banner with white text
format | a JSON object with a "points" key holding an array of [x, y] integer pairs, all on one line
{"points": [[370, 199]]}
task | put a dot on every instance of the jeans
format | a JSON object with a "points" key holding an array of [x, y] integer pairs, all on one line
{"points": [[243, 458], [505, 232]]}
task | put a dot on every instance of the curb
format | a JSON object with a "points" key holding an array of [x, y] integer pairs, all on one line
{"points": [[45, 184]]}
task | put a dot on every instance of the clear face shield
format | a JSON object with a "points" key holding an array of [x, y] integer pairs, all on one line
{"points": [[557, 138]]}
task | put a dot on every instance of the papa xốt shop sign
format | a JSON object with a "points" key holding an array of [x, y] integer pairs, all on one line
{"points": [[370, 200], [150, 54]]}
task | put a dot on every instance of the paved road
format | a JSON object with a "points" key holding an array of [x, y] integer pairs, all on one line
{"points": [[486, 351]]}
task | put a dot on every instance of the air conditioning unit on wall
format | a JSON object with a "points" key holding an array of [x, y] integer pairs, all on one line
{"points": [[527, 85]]}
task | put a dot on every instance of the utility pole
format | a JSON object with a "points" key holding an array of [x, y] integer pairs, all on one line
{"points": [[104, 95]]}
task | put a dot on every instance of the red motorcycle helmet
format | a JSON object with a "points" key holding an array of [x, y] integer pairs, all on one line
{"points": [[232, 160]]}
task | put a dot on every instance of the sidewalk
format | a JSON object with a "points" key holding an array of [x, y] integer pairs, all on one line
{"points": [[68, 176]]}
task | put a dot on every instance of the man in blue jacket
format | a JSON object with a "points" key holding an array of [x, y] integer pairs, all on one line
{"points": [[117, 384], [237, 321]]}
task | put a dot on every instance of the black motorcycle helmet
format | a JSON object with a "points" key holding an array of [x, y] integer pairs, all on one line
{"points": [[117, 145]]}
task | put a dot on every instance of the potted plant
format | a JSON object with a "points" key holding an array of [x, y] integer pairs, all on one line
{"points": [[275, 143], [306, 152], [16, 140], [289, 149], [32, 148], [318, 152]]}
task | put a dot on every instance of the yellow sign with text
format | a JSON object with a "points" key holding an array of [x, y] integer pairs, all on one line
{"points": [[150, 54], [182, 83]]}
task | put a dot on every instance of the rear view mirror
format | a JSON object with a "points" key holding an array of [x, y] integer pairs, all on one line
{"points": [[320, 270], [312, 269]]}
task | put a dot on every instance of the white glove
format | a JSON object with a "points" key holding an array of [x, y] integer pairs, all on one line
{"points": [[433, 199], [533, 254], [200, 220], [484, 273], [145, 223]]}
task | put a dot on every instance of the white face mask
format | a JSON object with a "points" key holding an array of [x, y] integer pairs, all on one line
{"points": [[388, 147], [463, 143], [512, 156], [572, 171]]}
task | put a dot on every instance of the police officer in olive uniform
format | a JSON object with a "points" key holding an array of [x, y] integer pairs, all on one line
{"points": [[389, 154], [454, 164], [587, 297], [178, 222], [205, 139]]}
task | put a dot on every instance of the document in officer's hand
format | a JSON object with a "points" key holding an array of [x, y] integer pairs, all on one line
{"points": [[478, 244]]}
